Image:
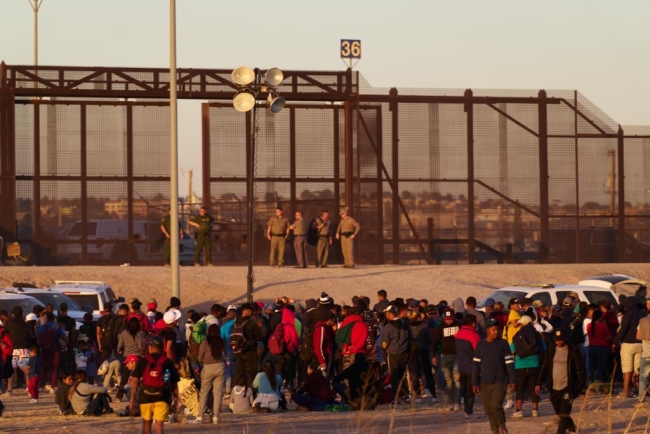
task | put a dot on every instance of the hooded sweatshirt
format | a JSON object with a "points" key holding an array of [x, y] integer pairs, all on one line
{"points": [[627, 333], [444, 334], [509, 331], [323, 340], [459, 306], [466, 340], [395, 337], [358, 335]]}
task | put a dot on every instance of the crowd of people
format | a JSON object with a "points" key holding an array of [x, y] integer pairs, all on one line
{"points": [[327, 356]]}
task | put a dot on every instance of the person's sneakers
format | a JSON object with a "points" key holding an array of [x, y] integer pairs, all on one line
{"points": [[535, 413], [324, 266], [509, 404], [33, 401], [456, 407], [434, 400], [518, 414]]}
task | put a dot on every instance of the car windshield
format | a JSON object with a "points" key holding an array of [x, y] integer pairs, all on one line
{"points": [[85, 300], [26, 304], [55, 299], [503, 296]]}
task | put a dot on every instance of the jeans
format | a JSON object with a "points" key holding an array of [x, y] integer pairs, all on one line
{"points": [[452, 378], [584, 352], [597, 363], [493, 395], [213, 378], [114, 371], [230, 368], [397, 365], [466, 386], [644, 372], [246, 363], [562, 404]]}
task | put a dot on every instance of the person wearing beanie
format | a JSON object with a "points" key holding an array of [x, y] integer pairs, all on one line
{"points": [[325, 304], [444, 335]]}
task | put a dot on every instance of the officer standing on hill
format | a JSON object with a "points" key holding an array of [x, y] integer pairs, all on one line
{"points": [[165, 228], [203, 225], [347, 232], [324, 239], [277, 232]]}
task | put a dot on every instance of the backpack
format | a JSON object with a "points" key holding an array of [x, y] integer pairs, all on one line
{"points": [[344, 335], [307, 347], [575, 335], [148, 337], [153, 377], [48, 340], [527, 342], [238, 341], [277, 345], [86, 332], [106, 325], [199, 332]]}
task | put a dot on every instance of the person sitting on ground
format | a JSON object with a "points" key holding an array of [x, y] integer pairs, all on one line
{"points": [[268, 384], [241, 398], [315, 392], [61, 398], [87, 399]]}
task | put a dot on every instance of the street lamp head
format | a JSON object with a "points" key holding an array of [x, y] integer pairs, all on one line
{"points": [[243, 76], [274, 77], [276, 102], [244, 101]]}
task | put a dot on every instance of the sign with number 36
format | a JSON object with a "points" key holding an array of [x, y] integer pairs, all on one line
{"points": [[350, 49]]}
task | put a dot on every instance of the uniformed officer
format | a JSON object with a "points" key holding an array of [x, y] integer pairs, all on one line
{"points": [[324, 239], [347, 232], [203, 225], [165, 228], [300, 227], [277, 232]]}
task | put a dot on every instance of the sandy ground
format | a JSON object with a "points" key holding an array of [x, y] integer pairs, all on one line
{"points": [[201, 287]]}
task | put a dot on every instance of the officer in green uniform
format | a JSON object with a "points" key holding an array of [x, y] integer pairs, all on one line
{"points": [[203, 225], [165, 228], [324, 239], [347, 232], [277, 232], [300, 227]]}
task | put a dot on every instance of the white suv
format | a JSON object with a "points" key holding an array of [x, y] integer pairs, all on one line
{"points": [[94, 294], [55, 298], [551, 294], [8, 300]]}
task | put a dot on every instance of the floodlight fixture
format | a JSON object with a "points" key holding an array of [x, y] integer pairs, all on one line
{"points": [[276, 102], [274, 77], [243, 76], [244, 100]]}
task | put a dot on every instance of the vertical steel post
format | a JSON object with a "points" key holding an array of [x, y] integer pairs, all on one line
{"points": [[250, 194], [173, 152], [380, 188], [543, 176], [349, 154], [395, 175], [207, 169], [337, 161], [621, 195], [84, 181], [129, 182], [577, 171], [471, 228]]}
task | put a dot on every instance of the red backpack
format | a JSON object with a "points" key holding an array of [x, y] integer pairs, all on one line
{"points": [[153, 378], [277, 345], [48, 339]]}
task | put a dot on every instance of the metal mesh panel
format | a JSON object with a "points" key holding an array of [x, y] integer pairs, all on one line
{"points": [[273, 145], [24, 139], [60, 139], [228, 140], [106, 140], [151, 141], [598, 176], [314, 143]]}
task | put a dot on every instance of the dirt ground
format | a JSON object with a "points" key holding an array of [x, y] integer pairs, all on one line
{"points": [[200, 287]]}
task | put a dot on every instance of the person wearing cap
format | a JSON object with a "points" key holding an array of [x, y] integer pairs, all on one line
{"points": [[277, 231], [203, 224], [514, 304], [154, 409], [347, 231], [395, 344], [165, 228], [300, 227], [493, 369], [324, 238], [527, 368], [563, 369], [143, 320], [444, 334], [129, 365]]}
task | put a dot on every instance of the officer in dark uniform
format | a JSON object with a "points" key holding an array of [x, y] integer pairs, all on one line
{"points": [[165, 228], [277, 232], [203, 225]]}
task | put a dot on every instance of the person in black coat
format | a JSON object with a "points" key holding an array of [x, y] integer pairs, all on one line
{"points": [[564, 370]]}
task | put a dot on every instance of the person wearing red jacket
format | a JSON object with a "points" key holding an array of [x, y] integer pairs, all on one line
{"points": [[6, 348], [356, 327], [466, 340], [145, 325], [323, 340]]}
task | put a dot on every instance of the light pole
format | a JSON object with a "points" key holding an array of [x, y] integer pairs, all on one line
{"points": [[173, 153], [250, 87], [36, 5]]}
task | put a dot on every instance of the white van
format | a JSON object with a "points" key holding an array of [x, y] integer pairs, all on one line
{"points": [[107, 242], [551, 294]]}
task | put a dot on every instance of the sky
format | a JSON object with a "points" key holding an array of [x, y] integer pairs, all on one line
{"points": [[601, 48]]}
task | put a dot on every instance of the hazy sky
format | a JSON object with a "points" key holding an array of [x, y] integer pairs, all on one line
{"points": [[601, 48]]}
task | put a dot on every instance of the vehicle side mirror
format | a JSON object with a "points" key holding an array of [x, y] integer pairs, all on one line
{"points": [[87, 308]]}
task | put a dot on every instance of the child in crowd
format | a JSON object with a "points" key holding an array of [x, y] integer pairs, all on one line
{"points": [[91, 365], [241, 398], [31, 372], [61, 397], [80, 356]]}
